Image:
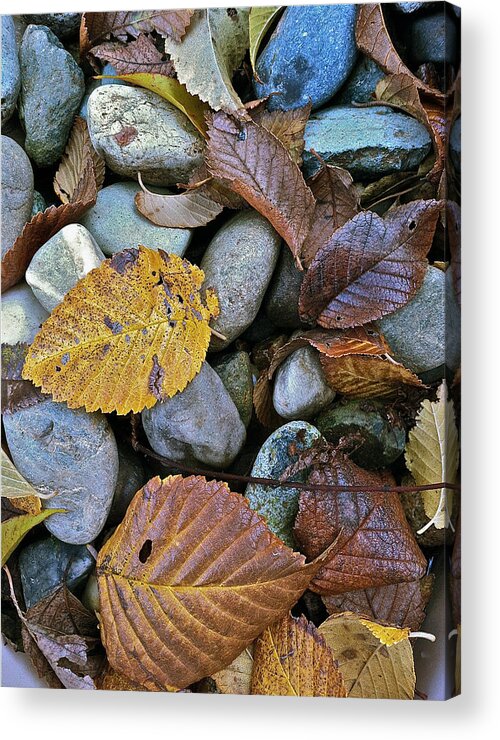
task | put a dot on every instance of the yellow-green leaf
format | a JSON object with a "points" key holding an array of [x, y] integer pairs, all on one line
{"points": [[260, 20], [386, 635], [15, 529], [132, 332], [432, 456]]}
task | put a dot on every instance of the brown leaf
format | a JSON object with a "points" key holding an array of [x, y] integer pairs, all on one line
{"points": [[370, 267], [236, 678], [263, 402], [337, 201], [80, 174], [288, 126], [374, 543], [110, 680], [363, 376], [189, 578], [256, 165], [292, 659], [140, 55], [188, 210], [16, 392]]}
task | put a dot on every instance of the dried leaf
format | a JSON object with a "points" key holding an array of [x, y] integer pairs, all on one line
{"points": [[256, 165], [363, 376], [16, 392], [263, 402], [14, 530], [186, 211], [292, 659], [132, 332], [209, 53], [259, 22], [372, 669], [80, 174], [137, 56], [431, 456], [189, 578], [14, 485], [288, 126], [236, 678], [110, 680], [374, 545], [370, 267]]}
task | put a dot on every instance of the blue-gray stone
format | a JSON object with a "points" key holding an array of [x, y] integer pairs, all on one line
{"points": [[17, 191], [92, 85], [11, 72], [39, 203], [309, 56], [280, 505], [108, 69], [48, 564], [63, 25], [52, 86], [456, 144], [69, 453], [361, 84], [131, 477], [300, 389], [369, 142], [22, 315], [434, 38]]}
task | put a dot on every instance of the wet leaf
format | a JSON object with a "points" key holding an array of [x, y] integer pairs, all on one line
{"points": [[288, 126], [138, 56], [369, 267], [236, 678], [260, 21], [292, 659], [81, 172], [363, 376], [132, 332], [189, 578], [14, 530]]}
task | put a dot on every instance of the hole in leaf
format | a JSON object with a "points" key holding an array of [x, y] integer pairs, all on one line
{"points": [[145, 551], [338, 318], [58, 369], [153, 273], [412, 225], [180, 299]]}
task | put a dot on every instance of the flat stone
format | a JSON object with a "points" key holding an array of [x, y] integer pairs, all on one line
{"points": [[300, 389], [135, 130], [17, 191], [381, 438], [434, 38], [424, 335], [371, 141], [115, 223], [62, 261], [238, 264], [281, 302], [201, 424], [456, 144], [22, 315], [309, 56], [52, 86], [71, 453], [280, 505], [11, 71], [39, 203], [63, 25], [131, 477], [48, 564], [361, 83], [235, 371]]}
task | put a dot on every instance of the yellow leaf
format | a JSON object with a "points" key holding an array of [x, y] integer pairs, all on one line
{"points": [[171, 90], [432, 456], [260, 20], [371, 668], [15, 529], [132, 332], [386, 635]]}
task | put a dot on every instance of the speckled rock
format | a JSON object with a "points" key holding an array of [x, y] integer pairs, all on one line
{"points": [[17, 191], [201, 424], [281, 302], [309, 56], [367, 141], [235, 371], [456, 144], [361, 83], [381, 438], [424, 335], [300, 389], [73, 453], [434, 38], [92, 85], [136, 130], [11, 72], [62, 261], [115, 223], [280, 505], [47, 564], [63, 25], [39, 203], [131, 477], [52, 85], [238, 264], [22, 315]]}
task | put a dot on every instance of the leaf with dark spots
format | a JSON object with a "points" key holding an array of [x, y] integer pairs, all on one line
{"points": [[156, 376], [121, 261], [115, 327], [140, 55]]}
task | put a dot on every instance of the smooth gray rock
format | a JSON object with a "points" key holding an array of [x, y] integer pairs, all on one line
{"points": [[281, 302], [131, 477], [235, 371], [434, 38], [280, 505], [424, 335], [39, 203], [11, 71], [456, 144], [238, 264], [116, 224], [300, 389], [362, 81], [48, 564], [22, 315], [201, 424], [309, 56], [62, 261], [73, 453], [135, 130], [367, 141], [51, 90], [63, 25], [17, 191]]}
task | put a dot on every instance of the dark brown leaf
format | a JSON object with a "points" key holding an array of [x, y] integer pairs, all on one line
{"points": [[263, 403], [140, 55], [456, 575]]}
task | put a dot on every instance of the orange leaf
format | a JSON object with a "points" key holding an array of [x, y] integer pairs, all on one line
{"points": [[362, 376]]}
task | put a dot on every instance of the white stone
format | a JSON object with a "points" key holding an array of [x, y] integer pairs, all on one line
{"points": [[22, 315]]}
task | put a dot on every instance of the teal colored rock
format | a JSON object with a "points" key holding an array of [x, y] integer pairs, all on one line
{"points": [[309, 56], [39, 203], [235, 371], [368, 142], [381, 438], [50, 563], [362, 81], [280, 505], [52, 86], [11, 72]]}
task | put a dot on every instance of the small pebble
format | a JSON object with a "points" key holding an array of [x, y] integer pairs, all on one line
{"points": [[300, 389]]}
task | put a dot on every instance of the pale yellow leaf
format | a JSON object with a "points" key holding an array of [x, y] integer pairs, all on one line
{"points": [[260, 20], [236, 678], [15, 529]]}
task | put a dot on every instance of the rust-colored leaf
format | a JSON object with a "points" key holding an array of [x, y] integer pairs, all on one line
{"points": [[256, 165], [189, 578], [80, 174], [263, 402], [140, 55], [374, 543], [288, 126], [110, 680], [370, 267], [132, 332], [292, 659], [363, 376]]}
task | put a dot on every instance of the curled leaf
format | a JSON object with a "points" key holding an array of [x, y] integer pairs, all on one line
{"points": [[186, 211], [80, 174], [364, 376], [288, 126], [260, 21]]}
